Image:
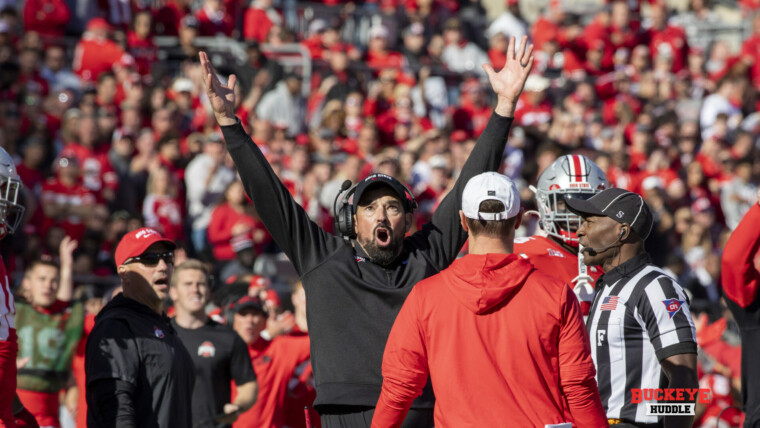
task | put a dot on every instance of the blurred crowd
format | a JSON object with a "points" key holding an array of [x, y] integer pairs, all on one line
{"points": [[112, 132]]}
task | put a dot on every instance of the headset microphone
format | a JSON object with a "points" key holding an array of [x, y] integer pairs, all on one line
{"points": [[605, 248]]}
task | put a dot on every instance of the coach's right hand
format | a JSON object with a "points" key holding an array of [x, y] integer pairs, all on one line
{"points": [[508, 83], [221, 97]]}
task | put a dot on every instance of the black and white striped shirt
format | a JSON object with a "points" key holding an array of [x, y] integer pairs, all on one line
{"points": [[639, 317]]}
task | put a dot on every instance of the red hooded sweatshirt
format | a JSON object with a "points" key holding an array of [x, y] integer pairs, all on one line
{"points": [[503, 343], [741, 260]]}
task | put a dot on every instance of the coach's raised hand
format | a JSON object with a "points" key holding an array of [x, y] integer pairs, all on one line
{"points": [[221, 97], [508, 83]]}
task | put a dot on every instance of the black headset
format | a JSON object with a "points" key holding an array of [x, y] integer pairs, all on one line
{"points": [[344, 214]]}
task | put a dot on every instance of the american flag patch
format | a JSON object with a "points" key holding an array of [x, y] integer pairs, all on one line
{"points": [[609, 303]]}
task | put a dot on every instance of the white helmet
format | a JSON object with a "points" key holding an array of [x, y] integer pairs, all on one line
{"points": [[11, 212], [570, 176]]}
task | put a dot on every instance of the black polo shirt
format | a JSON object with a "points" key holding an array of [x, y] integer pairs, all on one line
{"points": [[132, 343], [219, 356]]}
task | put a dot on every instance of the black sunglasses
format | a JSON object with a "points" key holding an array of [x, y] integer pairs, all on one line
{"points": [[152, 259]]}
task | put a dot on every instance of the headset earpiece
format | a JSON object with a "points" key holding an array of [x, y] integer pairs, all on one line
{"points": [[344, 214]]}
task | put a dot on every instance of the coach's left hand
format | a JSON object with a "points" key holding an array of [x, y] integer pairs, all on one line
{"points": [[221, 97], [508, 83]]}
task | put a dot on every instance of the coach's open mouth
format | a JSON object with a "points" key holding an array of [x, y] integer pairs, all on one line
{"points": [[383, 236]]}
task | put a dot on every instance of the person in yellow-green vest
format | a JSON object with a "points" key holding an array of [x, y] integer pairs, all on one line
{"points": [[49, 326]]}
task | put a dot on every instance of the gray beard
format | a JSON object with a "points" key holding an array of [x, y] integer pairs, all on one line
{"points": [[382, 256]]}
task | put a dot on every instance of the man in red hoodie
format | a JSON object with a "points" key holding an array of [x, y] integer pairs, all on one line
{"points": [[504, 344], [740, 275]]}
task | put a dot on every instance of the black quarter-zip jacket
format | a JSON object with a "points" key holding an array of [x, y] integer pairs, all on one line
{"points": [[352, 302]]}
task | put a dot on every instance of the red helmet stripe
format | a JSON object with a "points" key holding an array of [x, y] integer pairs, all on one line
{"points": [[577, 168]]}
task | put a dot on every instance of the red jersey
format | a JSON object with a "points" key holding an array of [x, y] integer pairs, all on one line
{"points": [[274, 363], [554, 260], [451, 327], [144, 52], [93, 56], [256, 24], [164, 214], [211, 23], [97, 173], [379, 60], [48, 18], [55, 192], [223, 219], [670, 41]]}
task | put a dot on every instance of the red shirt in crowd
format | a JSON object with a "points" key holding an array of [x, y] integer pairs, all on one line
{"points": [[274, 363], [93, 56], [751, 55], [673, 41], [223, 219], [451, 327], [164, 213], [528, 114], [167, 17], [554, 260], [144, 51], [301, 392], [56, 192], [380, 60], [97, 172], [212, 23], [48, 18], [256, 24]]}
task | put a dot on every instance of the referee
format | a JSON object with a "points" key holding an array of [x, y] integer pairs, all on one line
{"points": [[640, 327]]}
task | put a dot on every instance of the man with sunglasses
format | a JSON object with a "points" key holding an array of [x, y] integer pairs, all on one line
{"points": [[138, 372]]}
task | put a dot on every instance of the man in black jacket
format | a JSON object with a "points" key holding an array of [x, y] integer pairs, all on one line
{"points": [[138, 372], [355, 288]]}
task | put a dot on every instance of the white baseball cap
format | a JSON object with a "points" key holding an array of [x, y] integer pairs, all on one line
{"points": [[490, 186]]}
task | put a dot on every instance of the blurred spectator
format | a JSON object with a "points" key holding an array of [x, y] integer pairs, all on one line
{"points": [[259, 19], [206, 178], [510, 22], [161, 208], [97, 174], [739, 194], [273, 361], [95, 53], [55, 70], [723, 101], [379, 54], [214, 19], [46, 17], [140, 42], [230, 219], [245, 257], [65, 202], [459, 55], [284, 104]]}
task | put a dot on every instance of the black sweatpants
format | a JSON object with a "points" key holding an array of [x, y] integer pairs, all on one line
{"points": [[361, 417]]}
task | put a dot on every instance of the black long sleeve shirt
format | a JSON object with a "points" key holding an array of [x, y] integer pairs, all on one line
{"points": [[352, 302]]}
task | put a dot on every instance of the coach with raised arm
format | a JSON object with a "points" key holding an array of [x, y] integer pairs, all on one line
{"points": [[641, 331], [356, 286]]}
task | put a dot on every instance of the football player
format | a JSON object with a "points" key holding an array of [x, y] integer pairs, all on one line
{"points": [[558, 253]]}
